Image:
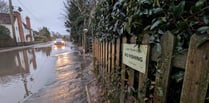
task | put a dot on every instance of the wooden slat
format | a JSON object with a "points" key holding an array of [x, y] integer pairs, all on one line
{"points": [[122, 95], [97, 50], [109, 60], [163, 73], [94, 55], [118, 57], [97, 60], [196, 77], [118, 54], [100, 45], [131, 76], [103, 58], [102, 52], [178, 61], [143, 77], [113, 56], [130, 70], [106, 59], [100, 57]]}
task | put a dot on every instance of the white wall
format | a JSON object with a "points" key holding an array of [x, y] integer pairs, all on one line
{"points": [[32, 35], [26, 32], [17, 31]]}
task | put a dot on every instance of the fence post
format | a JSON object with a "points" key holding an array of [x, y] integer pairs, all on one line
{"points": [[94, 54], [142, 76], [130, 72], [118, 54], [100, 44], [103, 52], [97, 60], [113, 56], [109, 61], [163, 73], [101, 59], [95, 48], [196, 76], [106, 60], [123, 70]]}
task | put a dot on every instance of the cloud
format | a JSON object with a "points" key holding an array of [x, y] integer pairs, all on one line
{"points": [[43, 13]]}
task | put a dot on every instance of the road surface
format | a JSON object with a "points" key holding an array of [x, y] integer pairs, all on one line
{"points": [[46, 73]]}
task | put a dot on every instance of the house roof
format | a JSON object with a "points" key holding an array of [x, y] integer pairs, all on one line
{"points": [[5, 18]]}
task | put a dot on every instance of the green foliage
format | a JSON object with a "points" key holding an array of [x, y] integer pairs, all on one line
{"points": [[74, 20], [111, 86], [124, 18], [78, 14], [203, 41], [45, 34], [115, 18], [4, 33], [41, 39]]}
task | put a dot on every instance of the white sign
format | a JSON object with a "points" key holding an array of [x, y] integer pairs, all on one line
{"points": [[135, 57]]}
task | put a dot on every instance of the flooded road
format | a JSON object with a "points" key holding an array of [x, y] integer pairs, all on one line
{"points": [[44, 74]]}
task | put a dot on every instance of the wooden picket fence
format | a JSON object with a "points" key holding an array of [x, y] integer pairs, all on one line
{"points": [[195, 63]]}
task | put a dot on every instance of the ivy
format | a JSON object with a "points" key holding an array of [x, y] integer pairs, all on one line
{"points": [[4, 33], [116, 18], [124, 18]]}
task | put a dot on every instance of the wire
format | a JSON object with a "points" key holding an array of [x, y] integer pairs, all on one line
{"points": [[37, 20]]}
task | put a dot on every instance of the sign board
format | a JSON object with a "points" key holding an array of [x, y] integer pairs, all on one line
{"points": [[135, 57]]}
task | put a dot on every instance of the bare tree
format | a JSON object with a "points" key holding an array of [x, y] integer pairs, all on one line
{"points": [[4, 8]]}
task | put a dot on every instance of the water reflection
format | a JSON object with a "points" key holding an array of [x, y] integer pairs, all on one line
{"points": [[56, 47], [15, 62], [46, 50], [23, 72]]}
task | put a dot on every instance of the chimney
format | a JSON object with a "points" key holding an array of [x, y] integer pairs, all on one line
{"points": [[29, 26], [28, 22], [20, 26]]}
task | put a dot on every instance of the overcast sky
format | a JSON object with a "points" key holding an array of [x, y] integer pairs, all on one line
{"points": [[47, 13]]}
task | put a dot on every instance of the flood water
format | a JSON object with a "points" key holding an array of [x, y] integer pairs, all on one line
{"points": [[36, 74]]}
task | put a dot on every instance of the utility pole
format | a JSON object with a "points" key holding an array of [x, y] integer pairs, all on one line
{"points": [[12, 21]]}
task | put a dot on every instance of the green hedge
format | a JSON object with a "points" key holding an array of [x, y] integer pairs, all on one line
{"points": [[116, 18]]}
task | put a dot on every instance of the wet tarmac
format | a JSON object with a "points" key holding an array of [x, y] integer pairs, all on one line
{"points": [[44, 74]]}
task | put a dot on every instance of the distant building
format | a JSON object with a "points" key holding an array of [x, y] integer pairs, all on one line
{"points": [[23, 30]]}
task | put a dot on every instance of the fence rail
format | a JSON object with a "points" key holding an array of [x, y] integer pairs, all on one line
{"points": [[194, 63]]}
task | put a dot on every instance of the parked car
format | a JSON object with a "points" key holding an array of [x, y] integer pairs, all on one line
{"points": [[59, 41]]}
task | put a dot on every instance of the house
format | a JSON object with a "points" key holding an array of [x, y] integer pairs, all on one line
{"points": [[23, 31]]}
